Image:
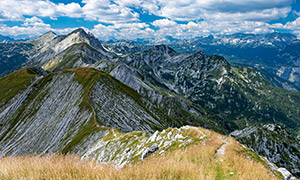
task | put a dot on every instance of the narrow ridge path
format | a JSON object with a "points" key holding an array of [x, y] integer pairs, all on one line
{"points": [[222, 148]]}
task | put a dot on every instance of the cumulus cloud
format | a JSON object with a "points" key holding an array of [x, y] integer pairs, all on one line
{"points": [[30, 28], [180, 31], [293, 26], [241, 6], [261, 15], [102, 11], [185, 10], [297, 13], [108, 12], [123, 31], [202, 28], [35, 22], [179, 18], [163, 23], [15, 10], [70, 10]]}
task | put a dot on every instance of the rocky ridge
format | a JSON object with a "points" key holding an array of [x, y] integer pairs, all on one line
{"points": [[273, 142]]}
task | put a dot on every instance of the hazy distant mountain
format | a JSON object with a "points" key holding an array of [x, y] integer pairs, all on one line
{"points": [[158, 40], [268, 51], [12, 56], [5, 39]]}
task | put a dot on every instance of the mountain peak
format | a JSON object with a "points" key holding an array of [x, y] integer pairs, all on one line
{"points": [[163, 48], [48, 34], [83, 34], [43, 39], [6, 39], [80, 31]]}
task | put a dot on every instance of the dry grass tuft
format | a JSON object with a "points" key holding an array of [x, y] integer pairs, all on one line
{"points": [[197, 162]]}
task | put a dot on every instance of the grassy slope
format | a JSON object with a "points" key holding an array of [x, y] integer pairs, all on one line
{"points": [[13, 83], [16, 82], [89, 76], [282, 105], [77, 53], [184, 164], [233, 101], [251, 100], [195, 162]]}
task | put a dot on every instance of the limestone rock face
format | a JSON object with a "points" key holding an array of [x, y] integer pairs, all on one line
{"points": [[55, 112], [150, 151], [273, 142]]}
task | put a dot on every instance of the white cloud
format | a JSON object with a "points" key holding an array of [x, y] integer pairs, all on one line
{"points": [[108, 12], [15, 10], [34, 22], [123, 31], [130, 25], [263, 15], [202, 16], [181, 31], [163, 23], [297, 13], [30, 28], [293, 26], [70, 10], [241, 5], [102, 11], [206, 9], [202, 28]]}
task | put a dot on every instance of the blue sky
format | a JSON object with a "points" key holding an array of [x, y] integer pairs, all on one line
{"points": [[132, 19]]}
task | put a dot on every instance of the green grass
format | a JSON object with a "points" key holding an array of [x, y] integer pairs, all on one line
{"points": [[84, 132], [194, 162], [14, 83], [247, 152], [88, 77], [38, 85], [68, 58], [220, 174]]}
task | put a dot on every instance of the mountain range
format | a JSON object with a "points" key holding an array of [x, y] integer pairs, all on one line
{"points": [[5, 39], [73, 94], [274, 54]]}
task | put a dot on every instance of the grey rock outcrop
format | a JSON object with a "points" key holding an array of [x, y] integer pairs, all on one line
{"points": [[150, 151]]}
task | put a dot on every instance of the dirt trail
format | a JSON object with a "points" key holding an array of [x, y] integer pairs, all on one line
{"points": [[221, 149]]}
